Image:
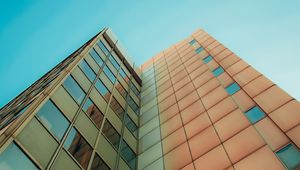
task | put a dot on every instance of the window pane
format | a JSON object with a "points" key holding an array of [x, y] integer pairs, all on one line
{"points": [[78, 147], [14, 159], [232, 88], [74, 89], [109, 74], [116, 107], [255, 114], [102, 89], [114, 62], [134, 89], [96, 57], [53, 119], [218, 71], [99, 164], [121, 89], [198, 50], [193, 42], [87, 70], [130, 125], [122, 73], [103, 48], [290, 156], [128, 155], [92, 110], [133, 105], [207, 59], [111, 134]]}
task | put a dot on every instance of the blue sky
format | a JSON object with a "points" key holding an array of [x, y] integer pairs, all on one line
{"points": [[37, 35]]}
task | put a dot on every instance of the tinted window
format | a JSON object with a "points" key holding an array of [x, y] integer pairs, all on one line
{"points": [[109, 74], [193, 42], [207, 59], [87, 70], [121, 89], [78, 147], [103, 48], [53, 119], [134, 89], [218, 71], [74, 89], [96, 57], [114, 62], [102, 89], [99, 164], [92, 110], [133, 105], [290, 156], [111, 134], [116, 107], [130, 125], [122, 73], [128, 155], [14, 159], [255, 114], [232, 88], [198, 50]]}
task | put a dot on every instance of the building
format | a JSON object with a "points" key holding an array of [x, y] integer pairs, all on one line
{"points": [[195, 105]]}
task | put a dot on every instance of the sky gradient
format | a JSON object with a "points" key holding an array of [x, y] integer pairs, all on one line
{"points": [[37, 35]]}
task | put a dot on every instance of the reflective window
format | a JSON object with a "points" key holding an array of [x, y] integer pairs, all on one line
{"points": [[53, 119], [111, 134], [133, 105], [92, 110], [13, 158], [192, 42], [134, 89], [99, 164], [78, 147], [122, 73], [114, 62], [255, 114], [96, 57], [116, 107], [130, 125], [207, 59], [121, 89], [102, 89], [128, 155], [198, 50], [87, 70], [103, 48], [290, 156], [232, 88], [109, 74], [218, 71], [74, 89]]}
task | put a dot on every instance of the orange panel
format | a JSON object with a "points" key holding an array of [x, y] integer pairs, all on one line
{"points": [[179, 76], [170, 126], [178, 158], [214, 97], [181, 83], [164, 86], [207, 87], [169, 101], [189, 167], [194, 66], [196, 125], [246, 76], [257, 86], [168, 113], [236, 68], [188, 100], [173, 140], [243, 100], [294, 135], [222, 55], [225, 79], [203, 78], [199, 71], [192, 111], [165, 94], [185, 90], [228, 61]]}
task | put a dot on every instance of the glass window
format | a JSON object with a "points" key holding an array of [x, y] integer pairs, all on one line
{"points": [[74, 89], [207, 59], [121, 89], [128, 155], [53, 119], [13, 158], [102, 89], [109, 74], [198, 50], [96, 57], [255, 114], [122, 73], [134, 89], [290, 156], [78, 147], [87, 70], [103, 48], [232, 88], [193, 42], [114, 62], [130, 125], [99, 164], [133, 105], [117, 108], [92, 110], [111, 134], [218, 71]]}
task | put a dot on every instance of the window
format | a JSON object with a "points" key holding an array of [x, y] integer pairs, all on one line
{"points": [[198, 50], [123, 74], [232, 88], [128, 155], [103, 48], [121, 89], [99, 164], [255, 114], [78, 147], [111, 134], [218, 71], [74, 89], [53, 119], [134, 89], [14, 158], [92, 110], [116, 107], [87, 70], [109, 74], [130, 125], [11, 116], [96, 57], [192, 42], [114, 62], [133, 105], [290, 156], [207, 59], [102, 89]]}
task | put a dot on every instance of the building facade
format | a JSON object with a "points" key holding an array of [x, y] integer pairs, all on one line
{"points": [[195, 105]]}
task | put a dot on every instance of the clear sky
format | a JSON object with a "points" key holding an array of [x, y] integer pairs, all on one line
{"points": [[37, 35]]}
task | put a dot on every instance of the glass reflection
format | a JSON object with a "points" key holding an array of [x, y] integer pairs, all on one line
{"points": [[74, 89], [130, 125], [92, 110], [111, 134], [116, 107], [99, 164], [109, 74], [96, 57], [128, 155], [87, 70], [102, 89]]}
